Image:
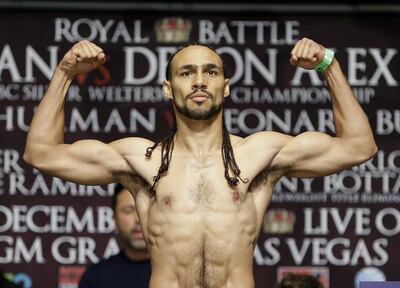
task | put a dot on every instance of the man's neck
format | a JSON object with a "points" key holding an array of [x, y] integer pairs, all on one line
{"points": [[136, 255], [199, 137]]}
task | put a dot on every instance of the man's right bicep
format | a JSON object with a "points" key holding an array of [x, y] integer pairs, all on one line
{"points": [[88, 162]]}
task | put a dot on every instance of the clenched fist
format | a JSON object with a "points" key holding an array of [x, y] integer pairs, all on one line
{"points": [[307, 54], [83, 57]]}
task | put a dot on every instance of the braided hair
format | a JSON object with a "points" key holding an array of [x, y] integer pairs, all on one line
{"points": [[167, 143]]}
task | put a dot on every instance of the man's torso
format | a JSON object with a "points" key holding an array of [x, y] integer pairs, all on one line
{"points": [[201, 232]]}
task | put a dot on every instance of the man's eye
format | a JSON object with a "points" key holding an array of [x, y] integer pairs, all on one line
{"points": [[186, 73], [212, 72], [128, 210]]}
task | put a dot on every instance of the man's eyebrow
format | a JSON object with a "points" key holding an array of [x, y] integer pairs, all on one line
{"points": [[187, 67], [211, 66], [192, 66], [128, 206]]}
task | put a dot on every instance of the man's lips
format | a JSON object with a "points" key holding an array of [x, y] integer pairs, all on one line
{"points": [[137, 234], [199, 97]]}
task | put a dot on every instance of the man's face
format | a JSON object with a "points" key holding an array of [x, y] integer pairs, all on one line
{"points": [[127, 222], [197, 85]]}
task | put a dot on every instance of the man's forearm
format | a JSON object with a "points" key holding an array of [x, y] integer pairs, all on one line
{"points": [[47, 127], [351, 123]]}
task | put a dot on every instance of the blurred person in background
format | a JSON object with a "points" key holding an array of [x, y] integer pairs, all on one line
{"points": [[130, 268]]}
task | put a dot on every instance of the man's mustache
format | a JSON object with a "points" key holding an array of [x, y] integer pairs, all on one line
{"points": [[136, 230], [197, 91]]}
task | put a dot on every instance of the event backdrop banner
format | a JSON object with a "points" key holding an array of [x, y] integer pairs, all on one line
{"points": [[339, 228]]}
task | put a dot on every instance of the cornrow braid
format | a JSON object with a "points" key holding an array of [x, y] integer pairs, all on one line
{"points": [[167, 146], [229, 160]]}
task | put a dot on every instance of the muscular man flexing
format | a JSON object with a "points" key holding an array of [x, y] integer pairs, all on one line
{"points": [[201, 206]]}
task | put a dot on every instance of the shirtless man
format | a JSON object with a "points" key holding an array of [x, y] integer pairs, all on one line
{"points": [[202, 218]]}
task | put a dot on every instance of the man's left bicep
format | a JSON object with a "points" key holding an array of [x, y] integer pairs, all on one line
{"points": [[315, 154]]}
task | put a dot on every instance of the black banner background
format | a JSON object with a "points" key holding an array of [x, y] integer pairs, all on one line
{"points": [[48, 228]]}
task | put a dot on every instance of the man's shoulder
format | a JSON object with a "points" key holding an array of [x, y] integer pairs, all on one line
{"points": [[256, 152], [96, 273], [267, 139], [104, 264], [132, 141], [131, 145], [116, 271]]}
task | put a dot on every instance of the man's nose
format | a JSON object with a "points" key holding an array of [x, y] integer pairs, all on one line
{"points": [[199, 82]]}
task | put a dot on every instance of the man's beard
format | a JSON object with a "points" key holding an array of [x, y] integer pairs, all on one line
{"points": [[133, 243], [136, 244], [198, 114]]}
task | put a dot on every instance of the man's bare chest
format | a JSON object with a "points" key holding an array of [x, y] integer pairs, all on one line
{"points": [[199, 187]]}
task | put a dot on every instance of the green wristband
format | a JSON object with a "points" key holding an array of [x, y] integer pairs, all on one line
{"points": [[326, 62]]}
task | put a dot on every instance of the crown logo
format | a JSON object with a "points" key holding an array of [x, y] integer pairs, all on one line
{"points": [[279, 221], [173, 30]]}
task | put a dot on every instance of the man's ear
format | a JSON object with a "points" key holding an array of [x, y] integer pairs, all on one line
{"points": [[226, 88], [167, 89]]}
